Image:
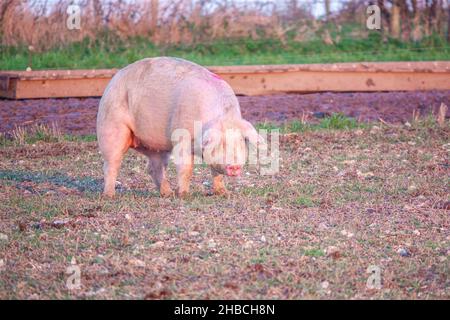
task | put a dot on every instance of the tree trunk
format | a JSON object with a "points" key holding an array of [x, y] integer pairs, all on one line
{"points": [[3, 8], [432, 16], [395, 19], [417, 31], [155, 13], [439, 16], [385, 18], [98, 12], [448, 23], [327, 9], [384, 11], [405, 20]]}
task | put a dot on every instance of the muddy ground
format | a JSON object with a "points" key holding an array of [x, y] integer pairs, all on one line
{"points": [[77, 116]]}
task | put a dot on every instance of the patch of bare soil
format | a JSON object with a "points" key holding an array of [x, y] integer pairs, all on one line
{"points": [[77, 116], [392, 107]]}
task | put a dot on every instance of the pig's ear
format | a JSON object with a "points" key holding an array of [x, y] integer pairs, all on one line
{"points": [[211, 138], [250, 133]]}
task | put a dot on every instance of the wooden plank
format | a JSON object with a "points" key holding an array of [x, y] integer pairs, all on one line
{"points": [[310, 81], [8, 84], [247, 80], [396, 67], [61, 88]]}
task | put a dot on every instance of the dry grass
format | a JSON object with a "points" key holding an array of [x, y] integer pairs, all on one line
{"points": [[42, 23], [342, 201], [36, 132], [163, 22]]}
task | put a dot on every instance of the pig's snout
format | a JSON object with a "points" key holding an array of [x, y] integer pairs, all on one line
{"points": [[233, 170]]}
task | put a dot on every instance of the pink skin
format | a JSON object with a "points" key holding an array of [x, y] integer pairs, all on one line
{"points": [[233, 170], [216, 76], [148, 100]]}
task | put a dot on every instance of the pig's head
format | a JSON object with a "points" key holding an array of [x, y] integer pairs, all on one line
{"points": [[225, 147]]}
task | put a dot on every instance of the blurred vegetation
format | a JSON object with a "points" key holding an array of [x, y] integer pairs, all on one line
{"points": [[113, 34], [114, 52], [336, 121]]}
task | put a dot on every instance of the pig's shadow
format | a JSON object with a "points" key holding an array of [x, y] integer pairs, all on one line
{"points": [[80, 184]]}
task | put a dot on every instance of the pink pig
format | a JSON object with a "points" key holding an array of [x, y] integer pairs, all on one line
{"points": [[149, 100]]}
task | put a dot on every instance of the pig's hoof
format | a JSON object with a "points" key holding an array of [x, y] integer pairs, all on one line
{"points": [[164, 189], [166, 193], [221, 192], [108, 195], [182, 194]]}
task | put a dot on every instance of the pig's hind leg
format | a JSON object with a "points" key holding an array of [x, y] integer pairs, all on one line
{"points": [[113, 142], [157, 166], [184, 175]]}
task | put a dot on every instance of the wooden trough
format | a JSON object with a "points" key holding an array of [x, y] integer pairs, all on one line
{"points": [[247, 80]]}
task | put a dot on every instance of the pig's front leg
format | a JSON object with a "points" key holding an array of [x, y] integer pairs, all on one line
{"points": [[218, 184], [157, 167], [184, 174]]}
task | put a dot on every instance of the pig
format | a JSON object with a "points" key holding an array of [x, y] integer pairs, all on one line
{"points": [[147, 101]]}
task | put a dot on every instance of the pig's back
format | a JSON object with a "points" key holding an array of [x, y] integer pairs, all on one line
{"points": [[170, 93], [165, 93], [164, 78]]}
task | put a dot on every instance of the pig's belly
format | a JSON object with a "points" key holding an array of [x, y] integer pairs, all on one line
{"points": [[151, 133], [145, 143]]}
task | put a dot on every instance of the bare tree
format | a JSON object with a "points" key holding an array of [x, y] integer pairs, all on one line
{"points": [[395, 19], [155, 13], [405, 20], [439, 15], [3, 8], [417, 31], [432, 15], [98, 12], [385, 18], [448, 22], [327, 9]]}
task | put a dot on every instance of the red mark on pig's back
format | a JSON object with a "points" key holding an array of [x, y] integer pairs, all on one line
{"points": [[215, 80], [215, 75]]}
